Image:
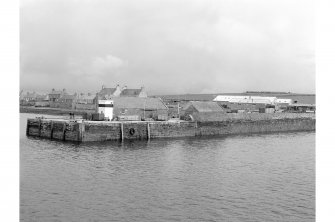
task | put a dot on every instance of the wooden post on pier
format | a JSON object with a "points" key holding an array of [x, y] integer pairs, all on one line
{"points": [[81, 129], [122, 135], [27, 128], [64, 130], [39, 127], [148, 131], [51, 129]]}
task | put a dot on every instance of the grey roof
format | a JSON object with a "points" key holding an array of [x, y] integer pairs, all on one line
{"points": [[106, 91], [207, 106], [130, 92], [138, 103]]}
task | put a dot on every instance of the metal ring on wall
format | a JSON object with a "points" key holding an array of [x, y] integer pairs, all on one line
{"points": [[131, 131]]}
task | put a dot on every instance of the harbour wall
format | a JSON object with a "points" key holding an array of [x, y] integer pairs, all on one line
{"points": [[82, 131]]}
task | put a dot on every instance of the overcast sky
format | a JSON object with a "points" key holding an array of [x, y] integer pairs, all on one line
{"points": [[170, 46]]}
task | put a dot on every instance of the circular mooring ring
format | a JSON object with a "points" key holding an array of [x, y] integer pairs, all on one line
{"points": [[131, 131]]}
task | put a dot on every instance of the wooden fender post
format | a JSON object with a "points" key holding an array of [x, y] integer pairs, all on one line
{"points": [[122, 135], [64, 130], [81, 129], [27, 128], [51, 129], [148, 131], [39, 127]]}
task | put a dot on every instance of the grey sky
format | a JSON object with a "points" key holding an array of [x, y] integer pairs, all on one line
{"points": [[172, 46]]}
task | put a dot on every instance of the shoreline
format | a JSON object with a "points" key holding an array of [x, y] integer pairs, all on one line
{"points": [[52, 111]]}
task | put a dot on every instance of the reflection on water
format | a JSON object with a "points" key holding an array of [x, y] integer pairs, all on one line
{"points": [[241, 178]]}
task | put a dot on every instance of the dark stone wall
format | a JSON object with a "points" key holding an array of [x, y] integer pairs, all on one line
{"points": [[54, 129], [101, 132], [170, 129]]}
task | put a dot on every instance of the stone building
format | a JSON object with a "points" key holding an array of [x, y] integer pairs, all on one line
{"points": [[201, 110], [85, 102], [139, 106], [54, 95], [28, 99]]}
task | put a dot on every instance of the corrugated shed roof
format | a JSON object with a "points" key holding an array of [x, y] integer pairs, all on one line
{"points": [[138, 103], [207, 106], [130, 92]]}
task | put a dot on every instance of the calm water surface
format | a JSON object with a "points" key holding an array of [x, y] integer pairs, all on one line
{"points": [[240, 178]]}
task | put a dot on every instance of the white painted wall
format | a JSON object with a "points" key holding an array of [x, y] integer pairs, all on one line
{"points": [[106, 107], [288, 101]]}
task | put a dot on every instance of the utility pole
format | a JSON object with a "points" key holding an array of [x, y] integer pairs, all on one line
{"points": [[178, 111], [144, 110]]}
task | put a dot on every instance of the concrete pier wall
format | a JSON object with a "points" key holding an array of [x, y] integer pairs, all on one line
{"points": [[105, 131]]}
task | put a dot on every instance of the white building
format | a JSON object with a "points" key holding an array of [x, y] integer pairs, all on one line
{"points": [[246, 99], [284, 101], [106, 107]]}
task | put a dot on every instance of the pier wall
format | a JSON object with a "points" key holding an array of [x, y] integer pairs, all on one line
{"points": [[255, 126], [105, 131]]}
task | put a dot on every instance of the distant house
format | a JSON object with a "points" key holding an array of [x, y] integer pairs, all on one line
{"points": [[86, 98], [133, 92], [42, 101], [85, 102], [28, 99], [67, 101], [54, 95], [143, 107]]}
